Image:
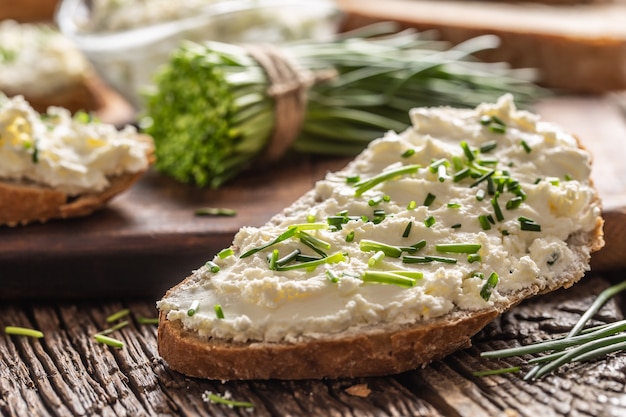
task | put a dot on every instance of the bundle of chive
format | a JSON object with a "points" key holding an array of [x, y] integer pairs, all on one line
{"points": [[216, 109], [578, 345]]}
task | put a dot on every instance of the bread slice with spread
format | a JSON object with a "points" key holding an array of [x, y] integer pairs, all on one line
{"points": [[56, 165], [396, 260]]}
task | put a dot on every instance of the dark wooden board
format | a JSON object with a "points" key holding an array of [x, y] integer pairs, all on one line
{"points": [[148, 239], [67, 373]]}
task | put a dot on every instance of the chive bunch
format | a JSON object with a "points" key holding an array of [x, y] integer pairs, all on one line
{"points": [[578, 345], [211, 116]]}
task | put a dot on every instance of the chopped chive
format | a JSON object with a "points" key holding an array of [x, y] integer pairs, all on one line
{"points": [[147, 320], [459, 175], [106, 340], [430, 221], [429, 199], [485, 120], [526, 147], [529, 225], [514, 203], [225, 253], [477, 274], [212, 266], [283, 236], [23, 331], [367, 245], [334, 258], [497, 128], [496, 119], [567, 177], [467, 151], [408, 153], [215, 211], [412, 204], [482, 178], [458, 247], [453, 205], [332, 277], [417, 246], [310, 218], [496, 208], [600, 300], [409, 259], [118, 315], [480, 195], [114, 328], [488, 146], [193, 308], [473, 257], [375, 201], [442, 173], [350, 236], [288, 258], [456, 226], [497, 371], [363, 186], [484, 222], [489, 285], [491, 187], [353, 179], [376, 258], [407, 229], [209, 397], [313, 241], [272, 259], [384, 277], [442, 259], [219, 313], [386, 198]]}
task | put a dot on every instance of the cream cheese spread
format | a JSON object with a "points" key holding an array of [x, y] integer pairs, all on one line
{"points": [[36, 60], [69, 153], [456, 212]]}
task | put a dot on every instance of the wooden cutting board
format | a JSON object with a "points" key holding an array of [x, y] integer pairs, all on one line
{"points": [[149, 238]]}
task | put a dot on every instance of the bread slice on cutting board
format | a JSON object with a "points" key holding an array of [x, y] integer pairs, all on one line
{"points": [[57, 165], [578, 48], [397, 259]]}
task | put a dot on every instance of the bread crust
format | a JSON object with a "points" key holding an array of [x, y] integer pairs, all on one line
{"points": [[22, 203]]}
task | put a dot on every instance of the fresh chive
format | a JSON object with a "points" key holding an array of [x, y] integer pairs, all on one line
{"points": [[350, 236], [496, 371], [484, 222], [215, 211], [496, 208], [219, 313], [363, 186], [456, 226], [529, 225], [430, 221], [482, 178], [497, 128], [291, 256], [442, 173], [480, 195], [106, 340], [429, 199], [412, 204], [212, 266], [375, 201], [310, 218], [114, 328], [458, 247], [600, 300], [272, 259], [384, 277], [313, 242], [488, 146], [334, 258], [408, 153], [147, 320], [193, 308], [353, 179], [467, 151], [489, 285], [209, 397], [460, 175], [474, 257], [453, 205], [417, 246], [367, 245], [332, 277], [290, 232], [434, 166], [376, 258], [225, 253], [407, 229], [23, 331], [442, 259], [409, 259], [514, 203], [117, 315], [526, 147]]}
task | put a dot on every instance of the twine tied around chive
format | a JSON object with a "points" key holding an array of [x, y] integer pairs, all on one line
{"points": [[289, 84]]}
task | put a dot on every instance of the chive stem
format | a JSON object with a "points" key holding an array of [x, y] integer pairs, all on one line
{"points": [[23, 331]]}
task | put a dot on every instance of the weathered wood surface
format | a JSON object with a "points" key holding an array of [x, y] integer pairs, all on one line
{"points": [[148, 239], [68, 374]]}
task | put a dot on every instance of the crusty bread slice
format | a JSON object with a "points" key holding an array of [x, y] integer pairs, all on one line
{"points": [[27, 202], [377, 349], [579, 48]]}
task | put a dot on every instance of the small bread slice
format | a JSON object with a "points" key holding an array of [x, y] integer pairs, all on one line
{"points": [[27, 198], [247, 315]]}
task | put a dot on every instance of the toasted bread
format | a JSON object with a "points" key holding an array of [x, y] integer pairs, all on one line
{"points": [[270, 325]]}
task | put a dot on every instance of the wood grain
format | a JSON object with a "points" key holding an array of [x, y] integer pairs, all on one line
{"points": [[67, 373]]}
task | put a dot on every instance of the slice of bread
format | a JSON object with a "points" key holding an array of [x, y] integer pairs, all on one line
{"points": [[39, 196], [379, 303], [578, 48]]}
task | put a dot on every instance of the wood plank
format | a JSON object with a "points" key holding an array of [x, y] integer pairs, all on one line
{"points": [[67, 373]]}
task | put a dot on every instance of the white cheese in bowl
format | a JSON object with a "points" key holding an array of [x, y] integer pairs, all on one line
{"points": [[454, 213], [73, 154]]}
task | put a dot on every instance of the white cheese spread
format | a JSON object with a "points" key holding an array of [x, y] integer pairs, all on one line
{"points": [[535, 182], [37, 60], [69, 153]]}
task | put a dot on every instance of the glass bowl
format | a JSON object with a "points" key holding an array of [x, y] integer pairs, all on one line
{"points": [[127, 57]]}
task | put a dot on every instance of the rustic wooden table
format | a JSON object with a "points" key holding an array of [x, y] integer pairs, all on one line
{"points": [[66, 277]]}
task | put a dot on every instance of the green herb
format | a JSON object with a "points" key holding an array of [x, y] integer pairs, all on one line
{"points": [[461, 174], [430, 221], [409, 259], [483, 177], [215, 211], [408, 153], [114, 328], [430, 198], [442, 173], [225, 253], [311, 265], [272, 259], [399, 278], [480, 195], [106, 340], [290, 232], [488, 146], [474, 257], [526, 147], [212, 266], [456, 226], [193, 308], [367, 245], [496, 208], [117, 315], [23, 331], [365, 185], [376, 258], [206, 139], [350, 236], [529, 225], [411, 206], [407, 229], [483, 219], [353, 179], [219, 313], [332, 277], [147, 320], [458, 247], [497, 371], [453, 205], [514, 203], [291, 256], [209, 397], [489, 285]]}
